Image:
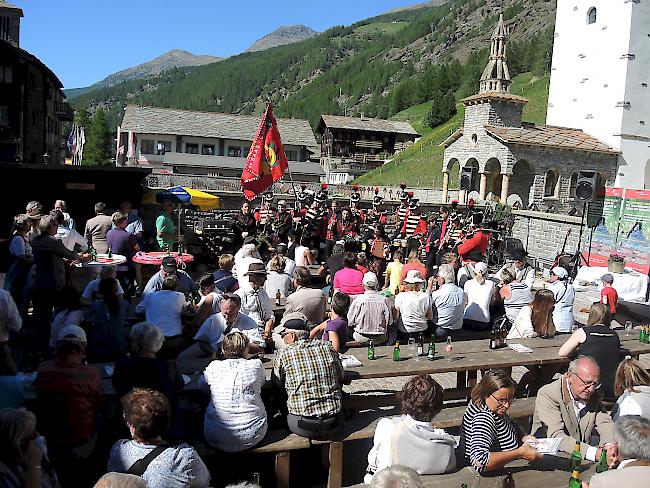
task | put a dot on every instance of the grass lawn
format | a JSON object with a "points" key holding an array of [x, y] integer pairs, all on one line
{"points": [[421, 164]]}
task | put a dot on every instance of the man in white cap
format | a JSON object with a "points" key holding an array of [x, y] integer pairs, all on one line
{"points": [[413, 307], [448, 303], [69, 396], [249, 255], [564, 298], [370, 314]]}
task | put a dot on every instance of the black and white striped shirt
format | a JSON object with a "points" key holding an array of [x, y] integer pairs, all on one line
{"points": [[520, 296], [482, 432]]}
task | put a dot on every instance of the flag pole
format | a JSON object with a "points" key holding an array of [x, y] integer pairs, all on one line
{"points": [[293, 186]]}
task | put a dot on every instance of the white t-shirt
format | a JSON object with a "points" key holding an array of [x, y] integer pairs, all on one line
{"points": [[163, 308], [300, 256], [235, 418], [63, 319], [478, 300], [523, 326], [413, 308], [91, 292]]}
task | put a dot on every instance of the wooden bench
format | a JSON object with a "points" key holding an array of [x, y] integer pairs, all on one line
{"points": [[364, 424], [278, 442]]}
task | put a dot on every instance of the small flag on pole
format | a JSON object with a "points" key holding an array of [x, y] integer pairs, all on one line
{"points": [[266, 161]]}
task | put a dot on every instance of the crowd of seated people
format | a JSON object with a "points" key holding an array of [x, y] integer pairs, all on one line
{"points": [[228, 319]]}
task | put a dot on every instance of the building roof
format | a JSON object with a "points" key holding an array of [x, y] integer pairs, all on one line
{"points": [[226, 162], [549, 136], [452, 138], [8, 5], [27, 55], [489, 96], [156, 120], [367, 124]]}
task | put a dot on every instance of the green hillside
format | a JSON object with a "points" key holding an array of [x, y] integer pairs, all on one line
{"points": [[421, 164], [378, 66]]}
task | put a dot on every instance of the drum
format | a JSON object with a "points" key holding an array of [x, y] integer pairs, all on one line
{"points": [[400, 243]]}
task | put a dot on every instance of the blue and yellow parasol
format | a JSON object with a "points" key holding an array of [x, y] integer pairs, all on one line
{"points": [[181, 194]]}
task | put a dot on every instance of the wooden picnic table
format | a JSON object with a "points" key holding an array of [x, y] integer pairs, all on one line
{"points": [[550, 471]]}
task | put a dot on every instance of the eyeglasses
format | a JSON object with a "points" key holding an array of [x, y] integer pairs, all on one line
{"points": [[589, 384], [504, 401]]}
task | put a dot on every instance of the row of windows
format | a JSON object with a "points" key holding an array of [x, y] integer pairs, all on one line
{"points": [[148, 146]]}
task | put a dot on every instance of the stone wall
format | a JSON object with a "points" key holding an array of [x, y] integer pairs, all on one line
{"points": [[543, 234]]}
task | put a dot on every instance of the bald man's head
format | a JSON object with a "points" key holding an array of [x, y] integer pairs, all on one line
{"points": [[583, 378]]}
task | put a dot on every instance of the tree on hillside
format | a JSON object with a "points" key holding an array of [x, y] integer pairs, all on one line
{"points": [[98, 140], [82, 117], [443, 108]]}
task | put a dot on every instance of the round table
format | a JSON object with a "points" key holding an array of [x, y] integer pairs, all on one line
{"points": [[156, 258], [104, 260]]}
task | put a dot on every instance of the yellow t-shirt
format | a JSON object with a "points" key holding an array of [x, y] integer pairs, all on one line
{"points": [[393, 272]]}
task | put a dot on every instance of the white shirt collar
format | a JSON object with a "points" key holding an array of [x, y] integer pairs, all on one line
{"points": [[625, 463]]}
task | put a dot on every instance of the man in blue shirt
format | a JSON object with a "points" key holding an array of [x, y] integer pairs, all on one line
{"points": [[186, 284]]}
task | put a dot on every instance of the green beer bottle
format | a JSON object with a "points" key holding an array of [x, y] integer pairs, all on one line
{"points": [[602, 463], [431, 353], [576, 457], [397, 355], [180, 248], [110, 252], [643, 334], [574, 482], [371, 351]]}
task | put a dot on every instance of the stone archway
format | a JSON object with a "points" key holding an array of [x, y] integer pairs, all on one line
{"points": [[473, 163], [521, 182], [450, 176], [493, 177]]}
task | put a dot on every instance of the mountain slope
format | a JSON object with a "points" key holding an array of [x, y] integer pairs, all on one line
{"points": [[281, 37], [368, 67], [421, 164], [176, 58]]}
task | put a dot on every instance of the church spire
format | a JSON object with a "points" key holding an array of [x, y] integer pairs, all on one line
{"points": [[496, 77]]}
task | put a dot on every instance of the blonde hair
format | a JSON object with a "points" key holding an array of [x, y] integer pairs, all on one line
{"points": [[599, 314], [233, 345], [226, 262], [630, 373], [15, 425], [277, 263]]}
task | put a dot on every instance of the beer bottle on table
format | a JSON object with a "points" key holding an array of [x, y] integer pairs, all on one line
{"points": [[110, 252], [575, 482], [420, 345], [278, 296], [643, 334], [256, 479], [371, 351], [493, 339], [180, 248], [431, 353], [576, 457], [602, 463], [397, 355]]}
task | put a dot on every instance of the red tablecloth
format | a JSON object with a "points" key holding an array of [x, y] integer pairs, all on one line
{"points": [[157, 257]]}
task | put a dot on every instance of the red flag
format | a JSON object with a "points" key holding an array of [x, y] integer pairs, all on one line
{"points": [[266, 161]]}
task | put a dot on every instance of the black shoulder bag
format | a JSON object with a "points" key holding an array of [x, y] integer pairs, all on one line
{"points": [[140, 466]]}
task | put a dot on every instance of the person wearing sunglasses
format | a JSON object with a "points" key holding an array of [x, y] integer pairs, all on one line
{"points": [[571, 408], [489, 439]]}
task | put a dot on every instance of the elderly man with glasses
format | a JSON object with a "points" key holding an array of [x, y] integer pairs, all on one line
{"points": [[571, 408]]}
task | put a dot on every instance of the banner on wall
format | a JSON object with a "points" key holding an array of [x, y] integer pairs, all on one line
{"points": [[624, 230]]}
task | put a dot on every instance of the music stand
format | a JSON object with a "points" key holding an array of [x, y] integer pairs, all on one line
{"points": [[578, 257]]}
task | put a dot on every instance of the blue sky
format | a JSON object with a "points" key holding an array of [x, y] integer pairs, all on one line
{"points": [[83, 41]]}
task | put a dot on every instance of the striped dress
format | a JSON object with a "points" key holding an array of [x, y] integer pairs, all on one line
{"points": [[482, 432]]}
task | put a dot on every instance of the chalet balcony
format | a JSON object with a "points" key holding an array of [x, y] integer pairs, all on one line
{"points": [[64, 111], [360, 163]]}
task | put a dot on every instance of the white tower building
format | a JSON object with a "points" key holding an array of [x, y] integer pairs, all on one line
{"points": [[600, 79]]}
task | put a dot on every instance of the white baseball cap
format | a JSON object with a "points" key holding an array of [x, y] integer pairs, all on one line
{"points": [[560, 272], [72, 333], [413, 276], [370, 279], [481, 268]]}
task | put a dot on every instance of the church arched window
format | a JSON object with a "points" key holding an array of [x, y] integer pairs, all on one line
{"points": [[552, 183], [573, 183], [591, 15]]}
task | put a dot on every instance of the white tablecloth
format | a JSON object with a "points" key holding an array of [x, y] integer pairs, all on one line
{"points": [[629, 285]]}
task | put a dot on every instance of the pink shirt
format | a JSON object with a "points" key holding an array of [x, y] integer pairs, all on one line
{"points": [[349, 281]]}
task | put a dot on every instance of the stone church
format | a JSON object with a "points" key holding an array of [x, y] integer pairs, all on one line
{"points": [[539, 163]]}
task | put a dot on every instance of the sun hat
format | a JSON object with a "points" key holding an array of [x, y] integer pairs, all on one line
{"points": [[560, 272], [72, 333], [256, 267], [481, 268], [413, 276], [518, 254], [370, 279]]}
